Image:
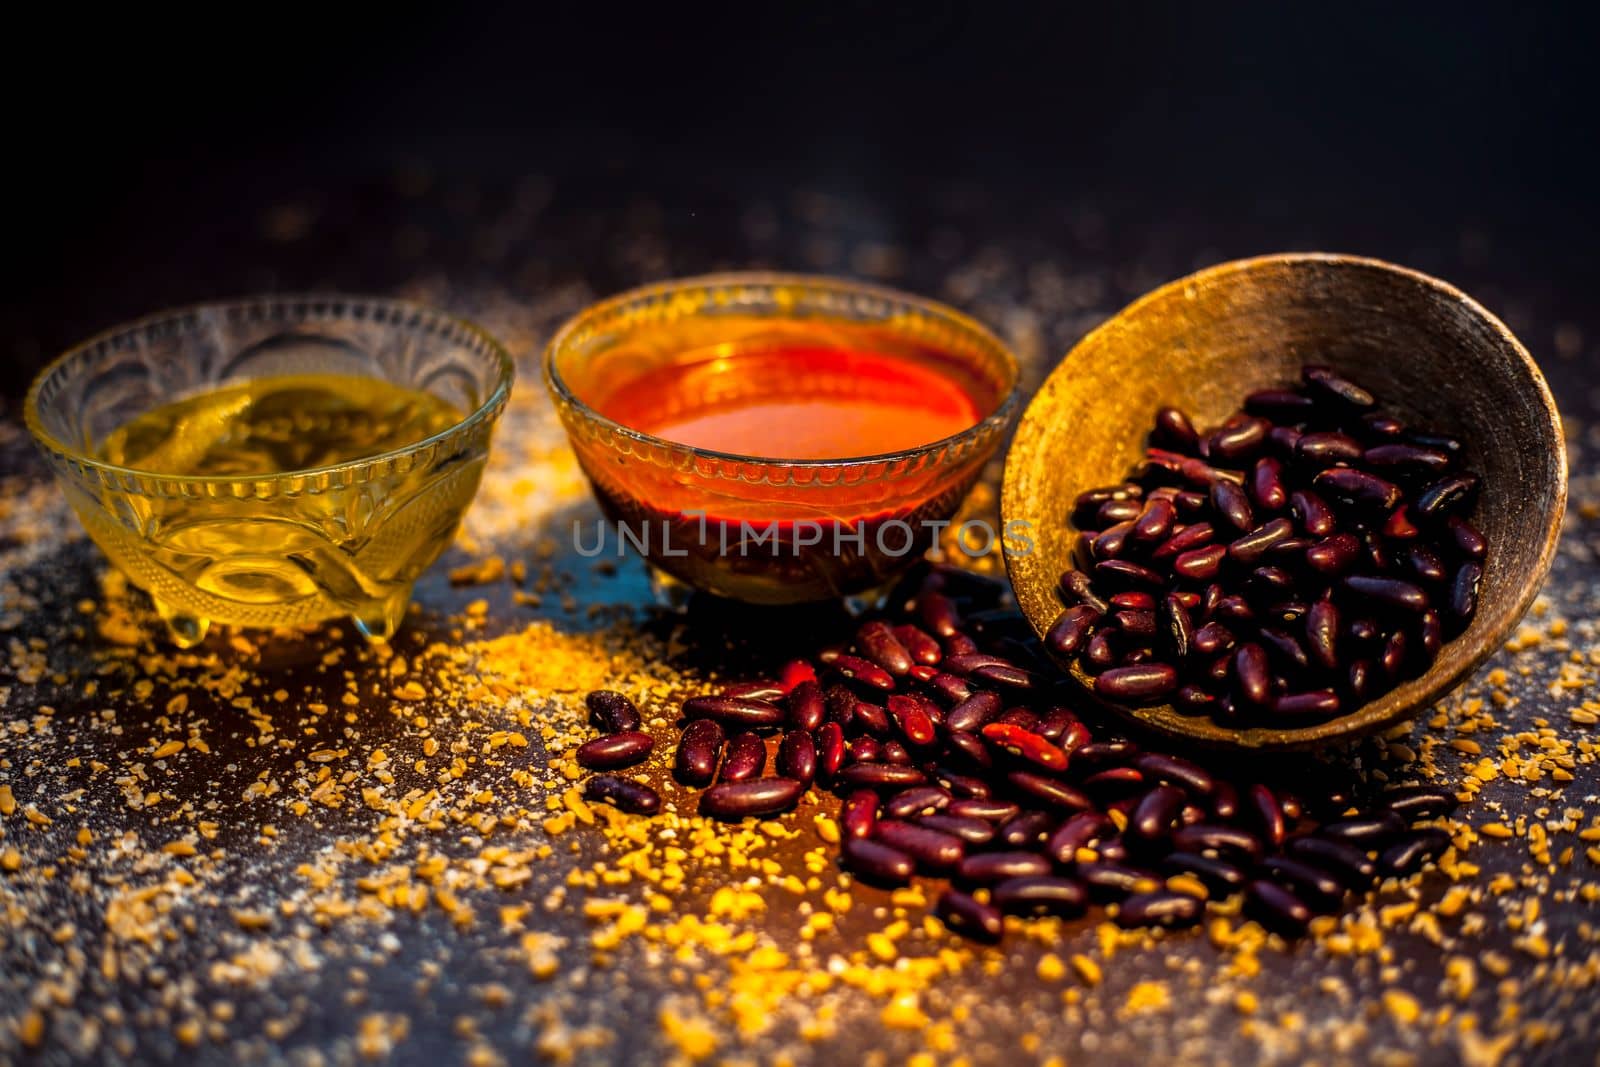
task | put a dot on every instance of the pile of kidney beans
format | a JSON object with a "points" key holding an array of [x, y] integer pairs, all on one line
{"points": [[1296, 562], [946, 733]]}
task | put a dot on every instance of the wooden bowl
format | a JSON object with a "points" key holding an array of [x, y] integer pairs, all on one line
{"points": [[1429, 353]]}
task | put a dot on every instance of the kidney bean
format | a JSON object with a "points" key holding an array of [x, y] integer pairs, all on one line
{"points": [[917, 800], [949, 688], [612, 711], [1250, 548], [1425, 563], [1357, 489], [933, 851], [1287, 648], [1048, 791], [734, 711], [1309, 704], [1367, 831], [1155, 813], [1267, 813], [1408, 854], [1233, 505], [1394, 657], [1208, 838], [995, 811], [987, 868], [1267, 490], [806, 706], [699, 747], [1106, 880], [871, 718], [880, 776], [938, 614], [1114, 511], [1194, 536], [1224, 800], [967, 916], [1324, 383], [746, 757], [1419, 802], [1333, 555], [1251, 674], [970, 748], [1144, 684], [858, 815], [876, 862], [1308, 882], [1406, 459], [1463, 601], [973, 712], [1345, 862], [830, 750], [1466, 538], [1160, 908], [969, 831], [866, 749], [922, 647], [1026, 744], [1028, 829], [909, 714], [1220, 877], [1200, 564], [797, 756], [1326, 448], [761, 689], [1447, 495], [1110, 543], [1283, 405], [1276, 908], [752, 797], [1174, 430], [962, 785], [1078, 831], [622, 793], [614, 750]]}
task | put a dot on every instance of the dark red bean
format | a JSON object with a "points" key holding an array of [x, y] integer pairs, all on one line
{"points": [[1162, 908], [958, 645], [1099, 653], [1390, 592], [866, 749], [830, 750], [1007, 676], [995, 811], [1211, 639], [1048, 791], [1395, 655], [746, 757], [949, 688], [1451, 494], [858, 815], [1322, 625], [614, 750], [987, 868], [1252, 546], [1155, 520], [1197, 535], [1115, 511], [1426, 564], [1071, 629], [806, 706], [1465, 536], [1224, 800], [797, 756], [1200, 564], [969, 831], [1357, 489], [912, 718], [1114, 780], [1410, 852], [1157, 810], [1026, 744], [1233, 505], [1111, 542], [923, 648], [1378, 426], [1146, 683], [879, 644], [962, 785], [734, 711], [753, 797], [973, 712], [1325, 448], [876, 862], [1308, 882], [1326, 384], [699, 746], [1345, 862], [1282, 440], [621, 793], [1241, 437], [967, 916], [935, 852], [1108, 880], [971, 748], [1333, 555], [1450, 446], [1312, 513], [871, 718], [1208, 838], [880, 776], [1219, 876], [1027, 830], [1283, 405], [1430, 634], [761, 689], [938, 614], [1310, 704], [1038, 895], [1267, 814], [1277, 909], [1178, 771], [1075, 588], [1123, 574], [1174, 430], [1420, 802], [1365, 831], [1463, 602], [1174, 627], [966, 662], [1078, 831], [1399, 527], [1406, 459], [918, 800], [612, 711], [865, 672], [1266, 485], [1252, 675]]}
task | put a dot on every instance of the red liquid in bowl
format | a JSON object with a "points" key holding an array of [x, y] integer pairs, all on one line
{"points": [[824, 484], [797, 403]]}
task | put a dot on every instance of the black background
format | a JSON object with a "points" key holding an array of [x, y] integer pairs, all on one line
{"points": [[144, 153]]}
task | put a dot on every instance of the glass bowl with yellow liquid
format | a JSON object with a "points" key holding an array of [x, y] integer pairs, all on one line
{"points": [[274, 461]]}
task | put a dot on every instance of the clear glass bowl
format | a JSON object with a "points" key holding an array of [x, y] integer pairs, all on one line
{"points": [[732, 524], [288, 548]]}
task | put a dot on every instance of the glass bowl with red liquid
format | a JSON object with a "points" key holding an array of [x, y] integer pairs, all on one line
{"points": [[778, 438]]}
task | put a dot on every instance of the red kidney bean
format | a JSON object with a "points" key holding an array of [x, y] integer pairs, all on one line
{"points": [[912, 718], [1074, 588], [1109, 880], [1121, 573], [866, 749], [614, 750], [987, 868], [622, 793], [1308, 882], [1466, 538], [1266, 485], [1357, 489], [1277, 909], [858, 815], [973, 712], [1099, 653], [1027, 830], [879, 645], [1048, 791], [1208, 838], [962, 785], [1324, 383], [1251, 674], [1114, 780], [1430, 634], [1463, 602], [958, 645], [1404, 459], [938, 614], [753, 797], [1114, 511], [995, 811], [1155, 520], [806, 706], [918, 800], [876, 862], [1394, 657], [1419, 802], [797, 756], [1161, 908], [1345, 862], [1333, 555], [1310, 704], [1194, 536], [1212, 638], [734, 711], [1426, 564], [1111, 542], [699, 747], [933, 851], [1252, 546], [1231, 503], [969, 831], [1220, 877], [1390, 592], [1268, 814], [880, 776], [922, 647], [1174, 430], [1037, 895], [1283, 405], [1399, 527], [871, 718], [1156, 812], [1241, 437], [1326, 448], [1224, 800], [1367, 831], [1312, 513], [746, 757], [1019, 717], [1175, 627], [1200, 564], [1287, 648], [1322, 625], [865, 672], [612, 711], [1445, 496], [1134, 601], [1178, 771], [1410, 852], [1078, 831], [1026, 744], [761, 689], [830, 750], [970, 748], [967, 916], [1144, 684]]}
